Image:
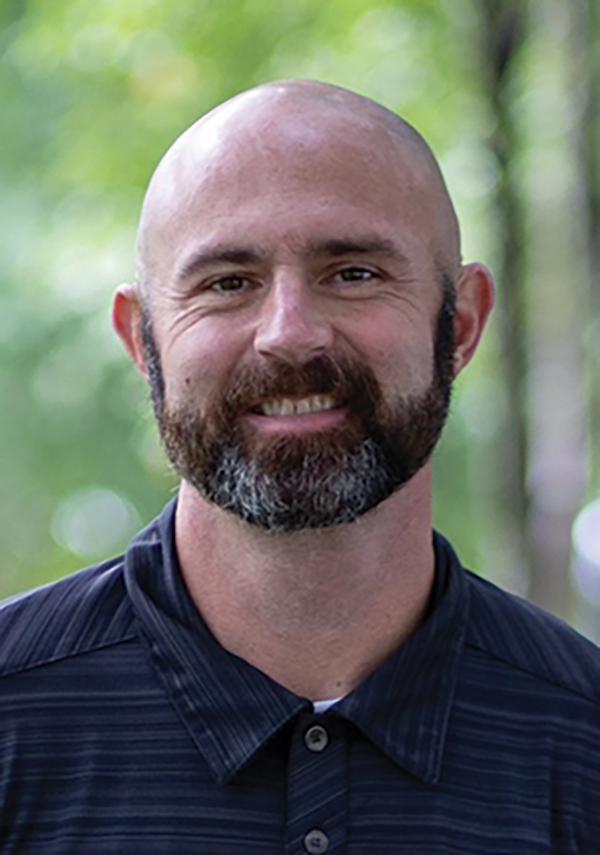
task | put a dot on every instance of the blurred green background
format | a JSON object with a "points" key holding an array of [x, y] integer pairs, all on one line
{"points": [[506, 93]]}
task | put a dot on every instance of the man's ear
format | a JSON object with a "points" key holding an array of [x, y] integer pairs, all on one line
{"points": [[127, 321], [474, 302]]}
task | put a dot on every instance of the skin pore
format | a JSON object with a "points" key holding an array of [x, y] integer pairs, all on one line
{"points": [[295, 221]]}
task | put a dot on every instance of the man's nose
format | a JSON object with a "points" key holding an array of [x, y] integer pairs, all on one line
{"points": [[293, 325]]}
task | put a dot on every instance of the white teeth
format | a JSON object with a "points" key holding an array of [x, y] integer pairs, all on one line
{"points": [[304, 406], [287, 407]]}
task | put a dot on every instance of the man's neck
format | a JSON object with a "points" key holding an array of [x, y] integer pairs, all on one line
{"points": [[316, 610]]}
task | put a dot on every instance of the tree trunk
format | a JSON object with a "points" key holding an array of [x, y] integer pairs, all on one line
{"points": [[586, 81], [541, 317], [558, 311], [503, 28]]}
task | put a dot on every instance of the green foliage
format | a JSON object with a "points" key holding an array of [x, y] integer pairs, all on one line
{"points": [[92, 95]]}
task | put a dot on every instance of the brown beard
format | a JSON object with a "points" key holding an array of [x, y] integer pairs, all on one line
{"points": [[290, 482]]}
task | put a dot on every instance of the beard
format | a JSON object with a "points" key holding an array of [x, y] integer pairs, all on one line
{"points": [[290, 482]]}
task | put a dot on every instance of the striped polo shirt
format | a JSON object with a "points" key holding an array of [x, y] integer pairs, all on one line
{"points": [[126, 728]]}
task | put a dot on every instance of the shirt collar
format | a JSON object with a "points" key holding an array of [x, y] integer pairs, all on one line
{"points": [[404, 705], [231, 708]]}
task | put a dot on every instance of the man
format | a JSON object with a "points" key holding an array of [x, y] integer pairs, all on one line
{"points": [[287, 660]]}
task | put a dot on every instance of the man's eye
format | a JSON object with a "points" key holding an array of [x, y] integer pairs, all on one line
{"points": [[230, 285], [356, 274]]}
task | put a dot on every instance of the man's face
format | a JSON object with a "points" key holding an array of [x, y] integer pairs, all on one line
{"points": [[300, 352]]}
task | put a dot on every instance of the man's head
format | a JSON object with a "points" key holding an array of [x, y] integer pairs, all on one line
{"points": [[300, 307]]}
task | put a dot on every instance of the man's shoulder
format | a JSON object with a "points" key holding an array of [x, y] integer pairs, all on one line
{"points": [[526, 638], [82, 612]]}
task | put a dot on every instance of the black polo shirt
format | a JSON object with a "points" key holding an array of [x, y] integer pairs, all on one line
{"points": [[126, 728]]}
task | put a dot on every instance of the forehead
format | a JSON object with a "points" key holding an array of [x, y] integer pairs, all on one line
{"points": [[286, 177]]}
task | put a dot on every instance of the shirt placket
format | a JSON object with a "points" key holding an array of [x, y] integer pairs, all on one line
{"points": [[317, 786]]}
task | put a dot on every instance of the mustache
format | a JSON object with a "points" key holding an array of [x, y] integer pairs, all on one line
{"points": [[348, 382]]}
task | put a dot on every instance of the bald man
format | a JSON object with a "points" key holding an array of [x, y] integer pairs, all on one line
{"points": [[288, 659]]}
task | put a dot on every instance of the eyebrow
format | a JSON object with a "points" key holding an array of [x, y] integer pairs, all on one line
{"points": [[202, 259], [336, 247]]}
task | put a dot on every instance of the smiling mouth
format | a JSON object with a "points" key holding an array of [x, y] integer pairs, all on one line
{"points": [[303, 406]]}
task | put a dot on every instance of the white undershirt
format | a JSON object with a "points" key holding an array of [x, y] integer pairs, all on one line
{"points": [[323, 706]]}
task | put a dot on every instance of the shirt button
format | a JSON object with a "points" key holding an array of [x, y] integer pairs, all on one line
{"points": [[316, 738], [316, 842]]}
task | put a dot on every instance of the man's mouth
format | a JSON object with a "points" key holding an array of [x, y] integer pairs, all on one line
{"points": [[303, 406]]}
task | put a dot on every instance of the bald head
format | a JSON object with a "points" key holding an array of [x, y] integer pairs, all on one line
{"points": [[301, 121]]}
